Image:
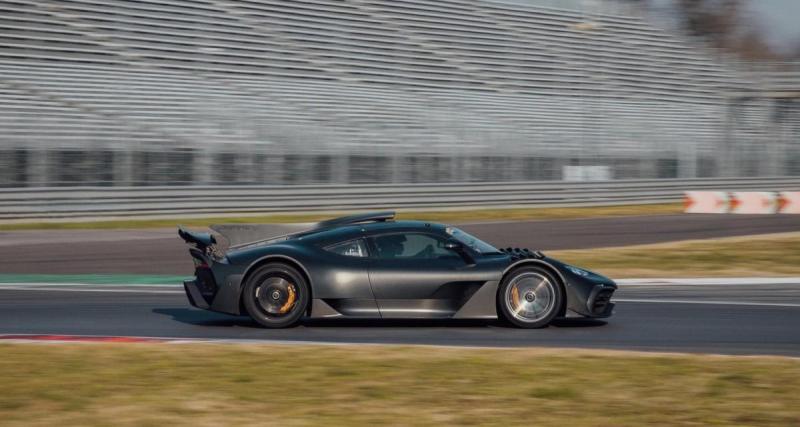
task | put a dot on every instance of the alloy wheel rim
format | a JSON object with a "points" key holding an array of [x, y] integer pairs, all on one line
{"points": [[276, 296], [530, 297]]}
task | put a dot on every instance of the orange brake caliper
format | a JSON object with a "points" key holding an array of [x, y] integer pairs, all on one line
{"points": [[515, 297], [289, 302]]}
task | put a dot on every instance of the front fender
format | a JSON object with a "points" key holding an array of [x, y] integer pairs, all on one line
{"points": [[585, 290]]}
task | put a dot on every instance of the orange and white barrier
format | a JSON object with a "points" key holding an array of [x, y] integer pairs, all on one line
{"points": [[742, 202], [754, 202], [706, 202], [789, 202]]}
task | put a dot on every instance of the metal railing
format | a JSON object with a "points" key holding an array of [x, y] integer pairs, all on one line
{"points": [[86, 202]]}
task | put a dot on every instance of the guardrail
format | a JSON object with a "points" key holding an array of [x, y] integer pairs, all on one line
{"points": [[78, 202]]}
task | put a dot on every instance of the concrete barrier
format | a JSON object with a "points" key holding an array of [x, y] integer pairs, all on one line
{"points": [[753, 202], [706, 202], [789, 202]]}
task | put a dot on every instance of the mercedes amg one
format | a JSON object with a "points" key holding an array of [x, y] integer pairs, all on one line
{"points": [[372, 266]]}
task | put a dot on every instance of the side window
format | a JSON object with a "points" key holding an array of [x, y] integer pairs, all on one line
{"points": [[410, 246], [355, 248]]}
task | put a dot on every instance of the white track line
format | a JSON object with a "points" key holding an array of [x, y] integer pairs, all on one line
{"points": [[171, 289], [717, 281], [701, 302], [621, 300]]}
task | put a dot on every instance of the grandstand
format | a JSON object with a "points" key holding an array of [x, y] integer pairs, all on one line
{"points": [[160, 92]]}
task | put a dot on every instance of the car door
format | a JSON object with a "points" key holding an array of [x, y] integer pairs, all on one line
{"points": [[414, 275], [344, 271]]}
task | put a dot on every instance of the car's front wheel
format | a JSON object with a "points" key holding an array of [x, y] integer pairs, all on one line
{"points": [[529, 297], [275, 295]]}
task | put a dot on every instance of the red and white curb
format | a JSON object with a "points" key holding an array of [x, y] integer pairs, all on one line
{"points": [[28, 338], [123, 339]]}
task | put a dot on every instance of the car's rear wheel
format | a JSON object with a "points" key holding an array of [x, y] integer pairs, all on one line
{"points": [[529, 297], [275, 295]]}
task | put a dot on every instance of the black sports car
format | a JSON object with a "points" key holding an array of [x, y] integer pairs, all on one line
{"points": [[371, 266]]}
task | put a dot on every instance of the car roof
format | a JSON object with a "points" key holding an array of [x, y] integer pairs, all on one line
{"points": [[351, 227], [406, 225], [342, 233]]}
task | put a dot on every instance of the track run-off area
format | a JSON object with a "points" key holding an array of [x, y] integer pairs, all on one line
{"points": [[725, 316], [160, 251]]}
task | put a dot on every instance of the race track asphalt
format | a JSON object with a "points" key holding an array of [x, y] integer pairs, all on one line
{"points": [[727, 319], [161, 252]]}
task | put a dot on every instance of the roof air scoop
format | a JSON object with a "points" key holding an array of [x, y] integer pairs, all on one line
{"points": [[358, 219]]}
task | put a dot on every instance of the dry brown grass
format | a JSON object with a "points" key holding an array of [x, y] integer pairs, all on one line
{"points": [[211, 384], [455, 215], [761, 256]]}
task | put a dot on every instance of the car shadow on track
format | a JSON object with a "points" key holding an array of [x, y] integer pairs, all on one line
{"points": [[211, 319], [436, 323], [205, 318]]}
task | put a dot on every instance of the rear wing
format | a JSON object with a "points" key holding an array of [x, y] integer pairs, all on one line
{"points": [[199, 240]]}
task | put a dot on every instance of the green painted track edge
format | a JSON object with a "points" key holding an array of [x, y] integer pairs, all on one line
{"points": [[94, 279]]}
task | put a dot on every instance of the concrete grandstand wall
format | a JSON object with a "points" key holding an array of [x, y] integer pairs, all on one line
{"points": [[169, 92]]}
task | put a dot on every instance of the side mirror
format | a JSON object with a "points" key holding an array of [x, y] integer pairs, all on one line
{"points": [[458, 247], [452, 245]]}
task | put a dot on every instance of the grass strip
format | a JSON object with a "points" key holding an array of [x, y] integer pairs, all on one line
{"points": [[213, 384], [438, 216], [748, 256]]}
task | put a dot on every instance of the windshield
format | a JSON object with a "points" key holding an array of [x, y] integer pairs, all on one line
{"points": [[473, 242]]}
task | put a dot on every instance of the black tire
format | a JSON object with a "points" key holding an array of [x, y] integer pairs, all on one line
{"points": [[529, 297], [267, 295]]}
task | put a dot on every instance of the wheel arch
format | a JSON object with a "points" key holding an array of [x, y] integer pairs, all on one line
{"points": [[562, 282], [276, 258]]}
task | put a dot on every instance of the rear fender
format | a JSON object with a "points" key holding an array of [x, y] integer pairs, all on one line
{"points": [[253, 264]]}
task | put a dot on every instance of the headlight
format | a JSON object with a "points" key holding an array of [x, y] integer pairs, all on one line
{"points": [[577, 271]]}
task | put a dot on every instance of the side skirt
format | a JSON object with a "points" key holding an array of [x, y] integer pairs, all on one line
{"points": [[481, 305], [346, 307]]}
